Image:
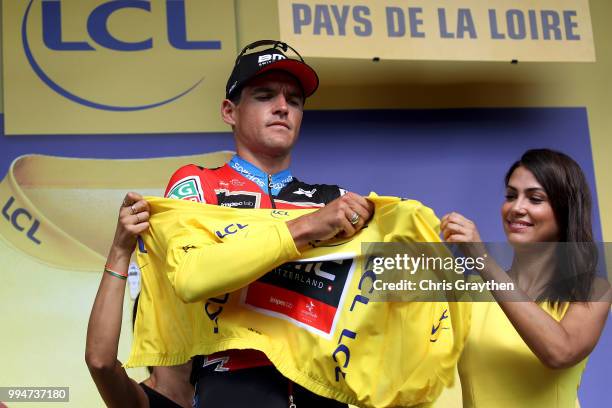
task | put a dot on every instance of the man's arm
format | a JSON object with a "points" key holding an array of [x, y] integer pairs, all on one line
{"points": [[238, 262], [332, 220]]}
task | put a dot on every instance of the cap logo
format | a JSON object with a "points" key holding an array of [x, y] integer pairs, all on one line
{"points": [[266, 58]]}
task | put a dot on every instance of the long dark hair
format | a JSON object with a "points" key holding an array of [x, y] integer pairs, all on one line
{"points": [[570, 199]]}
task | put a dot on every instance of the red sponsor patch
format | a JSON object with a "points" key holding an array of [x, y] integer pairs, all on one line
{"points": [[309, 293]]}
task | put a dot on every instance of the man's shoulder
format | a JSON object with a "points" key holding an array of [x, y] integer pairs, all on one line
{"points": [[190, 182], [194, 169], [299, 184]]}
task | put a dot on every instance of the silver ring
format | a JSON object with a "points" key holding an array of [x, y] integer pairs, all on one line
{"points": [[133, 209], [354, 218]]}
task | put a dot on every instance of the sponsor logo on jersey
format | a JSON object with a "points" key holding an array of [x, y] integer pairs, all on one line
{"points": [[218, 362], [280, 184], [247, 174], [233, 182], [262, 183], [239, 204], [230, 230], [283, 303], [279, 213], [141, 245], [360, 300], [133, 279], [437, 328], [307, 193], [238, 199], [309, 293], [188, 188]]}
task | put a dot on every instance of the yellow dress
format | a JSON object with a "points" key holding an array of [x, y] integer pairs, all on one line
{"points": [[498, 370]]}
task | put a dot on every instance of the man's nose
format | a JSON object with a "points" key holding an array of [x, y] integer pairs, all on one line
{"points": [[280, 104]]}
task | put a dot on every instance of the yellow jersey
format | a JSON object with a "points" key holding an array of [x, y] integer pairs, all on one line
{"points": [[498, 370], [217, 278]]}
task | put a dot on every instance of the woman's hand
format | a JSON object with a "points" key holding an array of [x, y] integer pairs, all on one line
{"points": [[103, 331], [133, 220], [456, 228]]}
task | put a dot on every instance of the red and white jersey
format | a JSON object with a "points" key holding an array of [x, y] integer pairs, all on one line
{"points": [[227, 187]]}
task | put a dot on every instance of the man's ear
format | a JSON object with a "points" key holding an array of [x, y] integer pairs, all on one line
{"points": [[228, 112]]}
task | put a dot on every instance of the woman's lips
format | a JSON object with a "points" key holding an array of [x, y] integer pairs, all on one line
{"points": [[518, 226]]}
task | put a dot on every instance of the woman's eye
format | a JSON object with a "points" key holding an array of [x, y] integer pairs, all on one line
{"points": [[510, 197], [536, 200]]}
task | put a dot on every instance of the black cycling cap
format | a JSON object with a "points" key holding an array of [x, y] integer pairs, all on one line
{"points": [[248, 66]]}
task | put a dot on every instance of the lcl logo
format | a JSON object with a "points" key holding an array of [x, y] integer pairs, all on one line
{"points": [[97, 27], [230, 230], [100, 36], [21, 219]]}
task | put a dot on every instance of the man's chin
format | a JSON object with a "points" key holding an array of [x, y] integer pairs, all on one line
{"points": [[281, 144], [275, 150]]}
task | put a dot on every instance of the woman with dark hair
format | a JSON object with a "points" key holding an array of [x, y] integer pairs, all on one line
{"points": [[529, 348], [166, 386]]}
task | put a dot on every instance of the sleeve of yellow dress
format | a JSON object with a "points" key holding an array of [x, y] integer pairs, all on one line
{"points": [[200, 268]]}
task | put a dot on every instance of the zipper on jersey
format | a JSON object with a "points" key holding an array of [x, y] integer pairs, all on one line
{"points": [[270, 191], [291, 400]]}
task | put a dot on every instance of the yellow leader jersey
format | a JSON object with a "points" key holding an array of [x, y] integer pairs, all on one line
{"points": [[58, 217], [498, 370], [308, 312]]}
